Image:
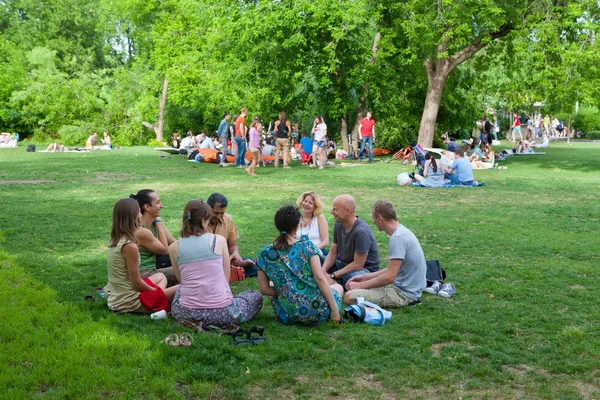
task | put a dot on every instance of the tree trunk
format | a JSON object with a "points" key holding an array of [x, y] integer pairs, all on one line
{"points": [[158, 127], [363, 99], [437, 73], [435, 88], [569, 131], [344, 133]]}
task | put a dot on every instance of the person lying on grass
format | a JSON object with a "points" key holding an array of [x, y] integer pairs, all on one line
{"points": [[153, 237], [300, 293], [403, 281], [201, 263], [128, 291]]}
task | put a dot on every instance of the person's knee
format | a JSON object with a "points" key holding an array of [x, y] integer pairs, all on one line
{"points": [[349, 297], [158, 279]]}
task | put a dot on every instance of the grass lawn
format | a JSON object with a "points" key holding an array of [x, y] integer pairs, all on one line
{"points": [[522, 251]]}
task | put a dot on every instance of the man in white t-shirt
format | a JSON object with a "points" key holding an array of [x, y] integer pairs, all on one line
{"points": [[187, 142], [207, 143]]}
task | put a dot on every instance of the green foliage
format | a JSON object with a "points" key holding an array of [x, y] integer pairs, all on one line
{"points": [[587, 121], [99, 65], [523, 322]]}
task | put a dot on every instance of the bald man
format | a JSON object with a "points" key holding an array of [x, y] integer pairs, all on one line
{"points": [[353, 240]]}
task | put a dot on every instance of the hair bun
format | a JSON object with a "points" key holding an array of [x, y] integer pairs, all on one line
{"points": [[133, 196]]}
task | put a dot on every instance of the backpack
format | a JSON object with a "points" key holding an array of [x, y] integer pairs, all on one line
{"points": [[282, 130], [368, 313], [435, 272], [193, 155], [31, 148]]}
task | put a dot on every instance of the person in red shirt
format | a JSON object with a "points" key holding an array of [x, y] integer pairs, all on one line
{"points": [[240, 139], [366, 134], [516, 128]]}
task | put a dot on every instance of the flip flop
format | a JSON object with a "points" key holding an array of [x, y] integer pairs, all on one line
{"points": [[186, 339], [259, 338], [171, 340]]}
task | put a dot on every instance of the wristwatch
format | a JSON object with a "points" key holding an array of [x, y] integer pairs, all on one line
{"points": [[332, 276]]}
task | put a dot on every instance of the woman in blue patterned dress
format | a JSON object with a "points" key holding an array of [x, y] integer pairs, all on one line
{"points": [[300, 293]]}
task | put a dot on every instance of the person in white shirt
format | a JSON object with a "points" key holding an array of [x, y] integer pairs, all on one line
{"points": [[268, 147], [319, 143], [187, 142], [207, 143]]}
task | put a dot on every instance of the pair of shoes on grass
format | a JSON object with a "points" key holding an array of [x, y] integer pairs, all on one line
{"points": [[441, 289], [174, 340]]}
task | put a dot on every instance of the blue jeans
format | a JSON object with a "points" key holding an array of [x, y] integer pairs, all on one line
{"points": [[240, 158], [366, 139], [454, 179], [338, 265]]}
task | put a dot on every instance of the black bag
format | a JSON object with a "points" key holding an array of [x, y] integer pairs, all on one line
{"points": [[193, 155], [31, 148], [435, 272]]}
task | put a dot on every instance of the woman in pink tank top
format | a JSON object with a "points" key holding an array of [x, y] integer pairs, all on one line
{"points": [[201, 263]]}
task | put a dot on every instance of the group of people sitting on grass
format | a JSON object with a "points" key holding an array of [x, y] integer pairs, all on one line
{"points": [[455, 167], [304, 282]]}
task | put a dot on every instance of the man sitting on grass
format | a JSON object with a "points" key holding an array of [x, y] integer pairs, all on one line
{"points": [[222, 224], [403, 281], [461, 171], [353, 240], [153, 237]]}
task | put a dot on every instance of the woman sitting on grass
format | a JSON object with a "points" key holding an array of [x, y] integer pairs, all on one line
{"points": [[313, 225], [201, 263], [128, 291], [300, 294]]}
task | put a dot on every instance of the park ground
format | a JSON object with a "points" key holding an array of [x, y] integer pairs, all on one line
{"points": [[522, 251]]}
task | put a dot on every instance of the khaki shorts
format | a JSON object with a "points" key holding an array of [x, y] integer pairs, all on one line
{"points": [[386, 297]]}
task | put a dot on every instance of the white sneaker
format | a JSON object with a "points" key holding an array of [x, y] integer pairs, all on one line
{"points": [[433, 289], [447, 290]]}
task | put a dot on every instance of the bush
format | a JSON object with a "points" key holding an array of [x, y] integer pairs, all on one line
{"points": [[395, 133]]}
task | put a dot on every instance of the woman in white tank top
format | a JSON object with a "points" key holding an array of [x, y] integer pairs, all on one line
{"points": [[313, 225]]}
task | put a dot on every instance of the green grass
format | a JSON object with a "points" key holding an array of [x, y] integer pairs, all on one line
{"points": [[522, 251]]}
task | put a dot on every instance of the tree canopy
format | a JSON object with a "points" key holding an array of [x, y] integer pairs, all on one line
{"points": [[72, 67]]}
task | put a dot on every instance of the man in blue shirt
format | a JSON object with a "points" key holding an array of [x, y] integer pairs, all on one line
{"points": [[307, 146], [460, 172]]}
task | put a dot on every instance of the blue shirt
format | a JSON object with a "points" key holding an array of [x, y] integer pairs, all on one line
{"points": [[464, 171], [306, 145], [223, 131], [453, 147]]}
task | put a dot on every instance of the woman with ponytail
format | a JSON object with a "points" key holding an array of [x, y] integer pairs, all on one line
{"points": [[432, 173], [300, 292], [201, 263]]}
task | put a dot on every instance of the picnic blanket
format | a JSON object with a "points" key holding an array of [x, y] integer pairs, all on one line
{"points": [[170, 150], [449, 184]]}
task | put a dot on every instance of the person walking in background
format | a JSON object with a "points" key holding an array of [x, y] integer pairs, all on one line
{"points": [[254, 144]]}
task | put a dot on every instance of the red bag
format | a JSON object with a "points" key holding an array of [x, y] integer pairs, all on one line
{"points": [[236, 274]]}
